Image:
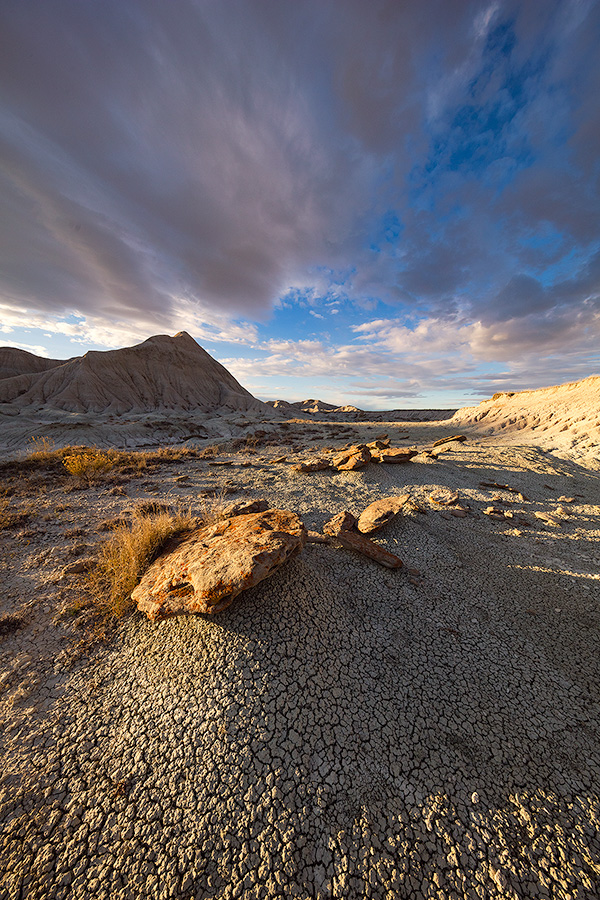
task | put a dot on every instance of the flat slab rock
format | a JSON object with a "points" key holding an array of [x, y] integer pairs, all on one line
{"points": [[214, 564], [380, 512]]}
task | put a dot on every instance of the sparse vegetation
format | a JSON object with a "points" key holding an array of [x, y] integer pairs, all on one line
{"points": [[128, 552]]}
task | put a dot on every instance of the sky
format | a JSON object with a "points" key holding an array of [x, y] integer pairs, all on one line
{"points": [[370, 202]]}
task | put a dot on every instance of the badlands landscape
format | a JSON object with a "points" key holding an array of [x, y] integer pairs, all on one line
{"points": [[406, 707]]}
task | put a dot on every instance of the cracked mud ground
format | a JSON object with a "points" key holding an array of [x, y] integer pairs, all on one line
{"points": [[338, 732]]}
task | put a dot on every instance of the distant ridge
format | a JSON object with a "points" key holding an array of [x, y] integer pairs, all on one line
{"points": [[565, 416], [14, 362], [162, 373]]}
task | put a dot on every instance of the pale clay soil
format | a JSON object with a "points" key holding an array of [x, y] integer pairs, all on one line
{"points": [[342, 730]]}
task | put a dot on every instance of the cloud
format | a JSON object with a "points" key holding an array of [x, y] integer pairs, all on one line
{"points": [[36, 349], [433, 162]]}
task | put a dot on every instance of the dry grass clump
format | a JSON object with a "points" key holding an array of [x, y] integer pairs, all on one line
{"points": [[10, 518], [129, 552]]}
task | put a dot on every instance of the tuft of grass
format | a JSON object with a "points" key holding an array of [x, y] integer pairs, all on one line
{"points": [[128, 553], [10, 518], [40, 450]]}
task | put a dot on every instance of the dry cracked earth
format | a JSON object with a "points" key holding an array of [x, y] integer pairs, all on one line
{"points": [[342, 730]]}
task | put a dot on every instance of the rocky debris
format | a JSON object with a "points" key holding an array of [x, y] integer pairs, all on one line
{"points": [[214, 564], [504, 487], [395, 455], [380, 512], [459, 512], [443, 497], [314, 537], [244, 508], [495, 513], [566, 499], [341, 528], [549, 519], [379, 444], [312, 465], [79, 566], [354, 458], [447, 440]]}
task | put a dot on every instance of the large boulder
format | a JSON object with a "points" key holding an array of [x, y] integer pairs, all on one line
{"points": [[214, 564]]}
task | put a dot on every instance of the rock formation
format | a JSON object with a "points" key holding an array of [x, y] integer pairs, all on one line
{"points": [[162, 373], [214, 564]]}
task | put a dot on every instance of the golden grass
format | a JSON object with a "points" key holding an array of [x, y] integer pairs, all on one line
{"points": [[128, 553]]}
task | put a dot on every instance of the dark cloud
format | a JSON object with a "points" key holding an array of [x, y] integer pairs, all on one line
{"points": [[215, 154]]}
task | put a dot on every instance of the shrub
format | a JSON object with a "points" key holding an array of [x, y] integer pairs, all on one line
{"points": [[88, 464]]}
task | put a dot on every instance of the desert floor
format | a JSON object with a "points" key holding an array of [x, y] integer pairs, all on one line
{"points": [[342, 730]]}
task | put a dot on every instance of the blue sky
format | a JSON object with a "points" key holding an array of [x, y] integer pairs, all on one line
{"points": [[384, 204]]}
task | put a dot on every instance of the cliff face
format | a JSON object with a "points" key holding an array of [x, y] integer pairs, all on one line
{"points": [[162, 373]]}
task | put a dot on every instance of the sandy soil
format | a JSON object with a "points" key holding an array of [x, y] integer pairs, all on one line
{"points": [[342, 730]]}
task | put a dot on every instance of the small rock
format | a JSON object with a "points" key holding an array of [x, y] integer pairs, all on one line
{"points": [[414, 572], [355, 458], [314, 537], [566, 499], [341, 527], [343, 521], [312, 465], [548, 519], [395, 455], [380, 512], [443, 497], [455, 437], [79, 566], [459, 513], [245, 507]]}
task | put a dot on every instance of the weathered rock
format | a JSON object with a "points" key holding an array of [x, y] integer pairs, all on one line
{"points": [[549, 519], [312, 465], [314, 537], [379, 444], [354, 541], [343, 521], [214, 564], [245, 507], [443, 497], [447, 440], [354, 458], [395, 455], [341, 527], [380, 512]]}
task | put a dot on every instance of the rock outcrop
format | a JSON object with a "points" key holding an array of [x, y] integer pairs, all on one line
{"points": [[214, 564]]}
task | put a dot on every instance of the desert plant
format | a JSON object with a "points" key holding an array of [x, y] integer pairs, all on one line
{"points": [[40, 450], [128, 552], [88, 464]]}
